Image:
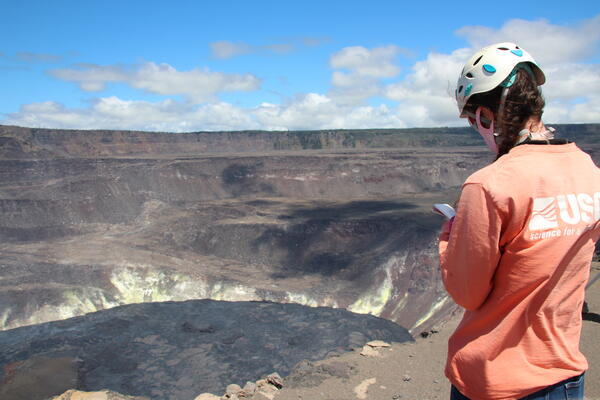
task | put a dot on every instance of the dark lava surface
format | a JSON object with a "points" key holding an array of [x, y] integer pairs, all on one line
{"points": [[177, 350]]}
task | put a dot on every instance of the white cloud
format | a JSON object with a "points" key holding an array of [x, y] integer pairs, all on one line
{"points": [[310, 111], [587, 112], [548, 43], [355, 96], [115, 113], [376, 63], [225, 49], [425, 95], [312, 41], [316, 111], [196, 85], [92, 77], [279, 48], [361, 72], [37, 57], [568, 81]]}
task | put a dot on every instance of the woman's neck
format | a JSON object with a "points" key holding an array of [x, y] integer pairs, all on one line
{"points": [[535, 125]]}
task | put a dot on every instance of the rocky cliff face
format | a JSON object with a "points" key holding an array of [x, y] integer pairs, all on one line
{"points": [[336, 229], [17, 142]]}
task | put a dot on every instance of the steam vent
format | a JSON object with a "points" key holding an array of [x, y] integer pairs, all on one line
{"points": [[320, 240]]}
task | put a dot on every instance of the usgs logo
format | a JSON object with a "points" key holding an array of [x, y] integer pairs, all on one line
{"points": [[570, 209]]}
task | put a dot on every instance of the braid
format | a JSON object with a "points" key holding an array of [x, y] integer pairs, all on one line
{"points": [[524, 100]]}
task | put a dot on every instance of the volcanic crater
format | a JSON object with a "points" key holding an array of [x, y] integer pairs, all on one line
{"points": [[93, 220]]}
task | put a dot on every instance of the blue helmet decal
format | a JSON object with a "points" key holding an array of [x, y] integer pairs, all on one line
{"points": [[517, 52], [468, 89], [489, 68]]}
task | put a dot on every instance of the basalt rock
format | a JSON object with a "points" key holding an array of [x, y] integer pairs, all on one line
{"points": [[142, 350]]}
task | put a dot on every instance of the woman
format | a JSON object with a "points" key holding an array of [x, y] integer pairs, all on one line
{"points": [[517, 254]]}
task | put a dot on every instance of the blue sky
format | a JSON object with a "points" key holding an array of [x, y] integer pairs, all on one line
{"points": [[230, 65]]}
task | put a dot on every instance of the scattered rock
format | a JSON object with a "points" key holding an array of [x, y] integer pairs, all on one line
{"points": [[406, 378], [267, 391], [426, 334], [207, 396], [101, 395], [261, 382], [249, 388], [362, 388], [378, 343], [275, 380], [369, 351], [232, 389]]}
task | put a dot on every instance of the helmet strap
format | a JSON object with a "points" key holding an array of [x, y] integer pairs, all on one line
{"points": [[486, 133], [501, 109]]}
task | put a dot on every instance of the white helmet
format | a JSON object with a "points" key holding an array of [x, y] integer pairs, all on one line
{"points": [[492, 66]]}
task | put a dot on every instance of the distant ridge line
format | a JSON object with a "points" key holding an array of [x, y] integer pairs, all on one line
{"points": [[25, 143]]}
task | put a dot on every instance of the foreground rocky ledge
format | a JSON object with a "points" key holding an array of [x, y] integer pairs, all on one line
{"points": [[177, 350]]}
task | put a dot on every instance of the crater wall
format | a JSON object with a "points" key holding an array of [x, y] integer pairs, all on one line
{"points": [[92, 220]]}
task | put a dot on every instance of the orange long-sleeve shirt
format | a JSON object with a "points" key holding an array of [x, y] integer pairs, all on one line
{"points": [[517, 258]]}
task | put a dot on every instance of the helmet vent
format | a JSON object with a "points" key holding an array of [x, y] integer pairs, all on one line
{"points": [[460, 88], [503, 48], [476, 61], [469, 75]]}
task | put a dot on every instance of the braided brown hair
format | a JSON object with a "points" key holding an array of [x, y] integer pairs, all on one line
{"points": [[523, 101]]}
